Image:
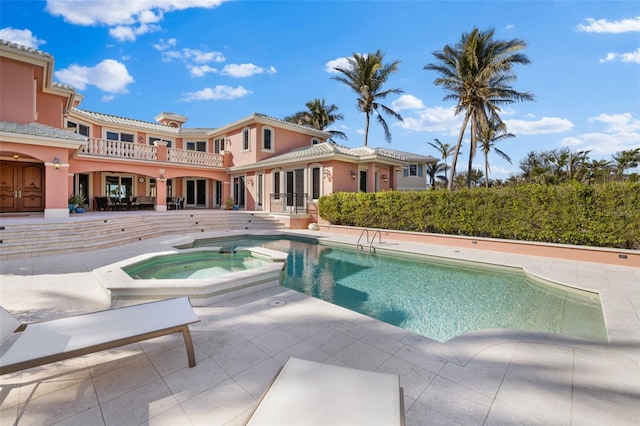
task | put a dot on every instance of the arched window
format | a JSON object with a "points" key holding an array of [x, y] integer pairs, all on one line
{"points": [[314, 181], [268, 139], [246, 140]]}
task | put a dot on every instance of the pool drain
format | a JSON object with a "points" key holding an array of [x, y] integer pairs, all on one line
{"points": [[277, 303]]}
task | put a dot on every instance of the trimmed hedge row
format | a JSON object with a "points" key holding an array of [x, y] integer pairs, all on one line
{"points": [[606, 215]]}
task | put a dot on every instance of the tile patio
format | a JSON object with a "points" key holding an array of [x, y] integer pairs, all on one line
{"points": [[491, 377]]}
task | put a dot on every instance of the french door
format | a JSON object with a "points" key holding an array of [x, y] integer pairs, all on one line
{"points": [[21, 187], [196, 195], [294, 184]]}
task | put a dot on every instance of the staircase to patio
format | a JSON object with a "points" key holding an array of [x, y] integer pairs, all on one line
{"points": [[93, 231]]}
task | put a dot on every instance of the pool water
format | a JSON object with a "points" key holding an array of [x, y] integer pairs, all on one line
{"points": [[435, 299], [195, 265]]}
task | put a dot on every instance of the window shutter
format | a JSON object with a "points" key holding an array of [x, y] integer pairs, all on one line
{"points": [[420, 166]]}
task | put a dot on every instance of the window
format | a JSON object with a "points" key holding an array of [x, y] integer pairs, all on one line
{"points": [[276, 185], [267, 139], [81, 129], [153, 140], [245, 140], [117, 136], [315, 141], [315, 183], [413, 170], [218, 145], [197, 146]]}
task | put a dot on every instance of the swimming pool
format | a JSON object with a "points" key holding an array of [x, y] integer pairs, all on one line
{"points": [[439, 300]]}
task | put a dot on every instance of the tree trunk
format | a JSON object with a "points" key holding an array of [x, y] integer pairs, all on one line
{"points": [[454, 160], [472, 152], [486, 169], [366, 129]]}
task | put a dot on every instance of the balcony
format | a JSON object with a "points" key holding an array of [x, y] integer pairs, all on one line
{"points": [[138, 151]]}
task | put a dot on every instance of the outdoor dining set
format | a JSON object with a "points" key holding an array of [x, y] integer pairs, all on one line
{"points": [[135, 203]]}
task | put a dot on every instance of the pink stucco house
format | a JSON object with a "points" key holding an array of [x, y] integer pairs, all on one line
{"points": [[50, 148]]}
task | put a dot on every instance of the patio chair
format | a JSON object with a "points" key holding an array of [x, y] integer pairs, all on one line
{"points": [[51, 341], [310, 393]]}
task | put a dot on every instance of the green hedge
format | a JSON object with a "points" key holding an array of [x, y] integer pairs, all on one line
{"points": [[606, 215]]}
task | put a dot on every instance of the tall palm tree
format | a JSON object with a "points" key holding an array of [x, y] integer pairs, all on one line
{"points": [[477, 72], [366, 75], [319, 116], [445, 150], [491, 133]]}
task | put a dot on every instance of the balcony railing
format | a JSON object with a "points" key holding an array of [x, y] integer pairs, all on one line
{"points": [[198, 158], [138, 151], [292, 202]]}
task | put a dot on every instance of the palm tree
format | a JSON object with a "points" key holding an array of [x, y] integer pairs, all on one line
{"points": [[365, 75], [319, 116], [445, 150], [626, 160], [491, 133], [432, 170], [597, 169], [477, 72]]}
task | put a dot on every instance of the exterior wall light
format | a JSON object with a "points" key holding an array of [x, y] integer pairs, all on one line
{"points": [[353, 174], [161, 178], [56, 163], [385, 178]]}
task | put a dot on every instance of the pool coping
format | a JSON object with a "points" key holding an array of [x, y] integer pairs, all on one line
{"points": [[124, 290]]}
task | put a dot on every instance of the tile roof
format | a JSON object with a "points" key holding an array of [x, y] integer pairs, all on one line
{"points": [[406, 156], [257, 115], [38, 129], [328, 149], [113, 119], [25, 49]]}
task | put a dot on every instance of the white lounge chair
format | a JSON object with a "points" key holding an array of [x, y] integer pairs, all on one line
{"points": [[50, 341], [306, 393]]}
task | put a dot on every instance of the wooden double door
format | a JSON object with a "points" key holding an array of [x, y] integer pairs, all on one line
{"points": [[21, 187]]}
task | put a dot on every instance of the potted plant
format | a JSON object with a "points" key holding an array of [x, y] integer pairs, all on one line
{"points": [[229, 203], [74, 201]]}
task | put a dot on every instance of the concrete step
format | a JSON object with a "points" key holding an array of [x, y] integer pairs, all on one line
{"points": [[81, 234]]}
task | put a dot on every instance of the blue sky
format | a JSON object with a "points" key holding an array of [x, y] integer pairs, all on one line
{"points": [[217, 62]]}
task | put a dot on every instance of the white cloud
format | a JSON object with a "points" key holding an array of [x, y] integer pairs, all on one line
{"points": [[187, 55], [603, 143], [107, 98], [433, 119], [245, 70], [407, 102], [509, 27], [621, 132], [605, 26], [139, 16], [164, 45], [217, 93], [617, 123], [201, 70], [624, 57], [23, 37], [331, 65], [109, 76], [129, 33], [543, 126]]}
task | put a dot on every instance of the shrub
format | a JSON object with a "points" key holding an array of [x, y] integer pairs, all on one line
{"points": [[605, 215]]}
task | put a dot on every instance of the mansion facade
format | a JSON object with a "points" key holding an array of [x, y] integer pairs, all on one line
{"points": [[50, 148]]}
